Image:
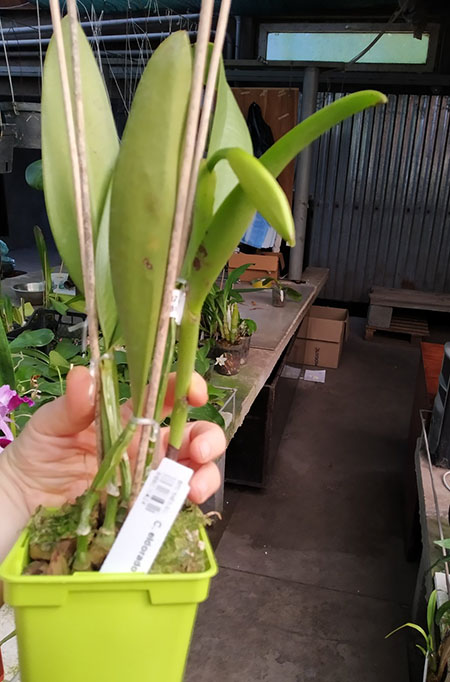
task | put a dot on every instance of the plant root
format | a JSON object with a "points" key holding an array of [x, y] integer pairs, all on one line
{"points": [[60, 561]]}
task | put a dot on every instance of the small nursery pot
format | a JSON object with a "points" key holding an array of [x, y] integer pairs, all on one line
{"points": [[278, 297], [230, 357], [98, 626]]}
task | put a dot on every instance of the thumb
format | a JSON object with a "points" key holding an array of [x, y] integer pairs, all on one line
{"points": [[72, 412]]}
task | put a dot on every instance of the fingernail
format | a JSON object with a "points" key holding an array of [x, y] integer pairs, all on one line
{"points": [[205, 450]]}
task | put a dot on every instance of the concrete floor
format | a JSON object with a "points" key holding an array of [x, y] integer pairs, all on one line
{"points": [[312, 571]]}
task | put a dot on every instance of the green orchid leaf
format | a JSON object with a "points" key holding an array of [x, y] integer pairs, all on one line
{"points": [[29, 367], [217, 396], [284, 150], [106, 304], [124, 391], [33, 175], [292, 293], [207, 413], [54, 388], [101, 143], [410, 625], [58, 305], [6, 363], [28, 309], [431, 613], [203, 212], [251, 326], [143, 201], [120, 357], [43, 255], [9, 313], [441, 611], [229, 129], [75, 303], [31, 339], [233, 277], [57, 360], [34, 353], [261, 189], [67, 349], [443, 543], [202, 361], [236, 212]]}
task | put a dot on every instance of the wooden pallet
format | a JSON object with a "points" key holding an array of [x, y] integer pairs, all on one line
{"points": [[409, 325]]}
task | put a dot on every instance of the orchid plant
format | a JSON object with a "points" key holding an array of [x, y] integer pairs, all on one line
{"points": [[9, 401], [131, 219]]}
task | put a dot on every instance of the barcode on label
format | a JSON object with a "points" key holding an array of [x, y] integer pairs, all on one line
{"points": [[161, 493], [150, 519]]}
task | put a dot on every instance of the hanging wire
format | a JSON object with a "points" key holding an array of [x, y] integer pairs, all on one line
{"points": [[106, 53], [142, 59], [8, 67], [96, 30]]}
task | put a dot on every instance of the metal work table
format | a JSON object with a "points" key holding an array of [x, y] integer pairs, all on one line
{"points": [[276, 327]]}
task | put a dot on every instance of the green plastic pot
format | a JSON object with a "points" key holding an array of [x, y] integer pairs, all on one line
{"points": [[93, 627]]}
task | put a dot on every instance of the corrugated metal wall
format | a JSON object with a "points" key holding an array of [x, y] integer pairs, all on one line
{"points": [[380, 210]]}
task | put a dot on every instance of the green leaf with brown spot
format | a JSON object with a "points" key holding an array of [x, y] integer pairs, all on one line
{"points": [[143, 201], [101, 143]]}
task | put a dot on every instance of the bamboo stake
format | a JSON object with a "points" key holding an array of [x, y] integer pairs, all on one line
{"points": [[63, 72], [206, 111], [189, 327], [83, 232], [177, 237], [89, 257]]}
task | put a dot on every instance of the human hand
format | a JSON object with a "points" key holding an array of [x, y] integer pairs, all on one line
{"points": [[54, 458]]}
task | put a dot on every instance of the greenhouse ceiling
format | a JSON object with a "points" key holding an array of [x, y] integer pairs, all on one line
{"points": [[280, 8]]}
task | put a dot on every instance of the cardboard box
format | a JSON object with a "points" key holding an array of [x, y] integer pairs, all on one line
{"points": [[262, 265], [320, 338]]}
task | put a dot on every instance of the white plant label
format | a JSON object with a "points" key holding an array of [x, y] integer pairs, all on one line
{"points": [[150, 519], [177, 305]]}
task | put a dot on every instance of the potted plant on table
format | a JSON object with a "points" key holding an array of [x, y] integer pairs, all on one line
{"points": [[280, 290], [221, 323], [128, 220]]}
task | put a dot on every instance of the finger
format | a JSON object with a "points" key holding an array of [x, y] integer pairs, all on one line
{"points": [[197, 396], [202, 442], [204, 483], [72, 412]]}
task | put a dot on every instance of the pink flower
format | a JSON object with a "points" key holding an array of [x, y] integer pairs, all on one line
{"points": [[9, 401]]}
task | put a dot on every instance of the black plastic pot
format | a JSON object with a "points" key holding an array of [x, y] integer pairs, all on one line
{"points": [[43, 318]]}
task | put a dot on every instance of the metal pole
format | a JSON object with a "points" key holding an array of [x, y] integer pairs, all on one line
{"points": [[107, 38], [302, 177], [174, 18]]}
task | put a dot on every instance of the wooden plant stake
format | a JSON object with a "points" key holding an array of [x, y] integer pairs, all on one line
{"points": [[77, 141], [180, 226]]}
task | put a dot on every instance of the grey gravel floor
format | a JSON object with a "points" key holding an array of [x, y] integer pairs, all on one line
{"points": [[312, 571]]}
